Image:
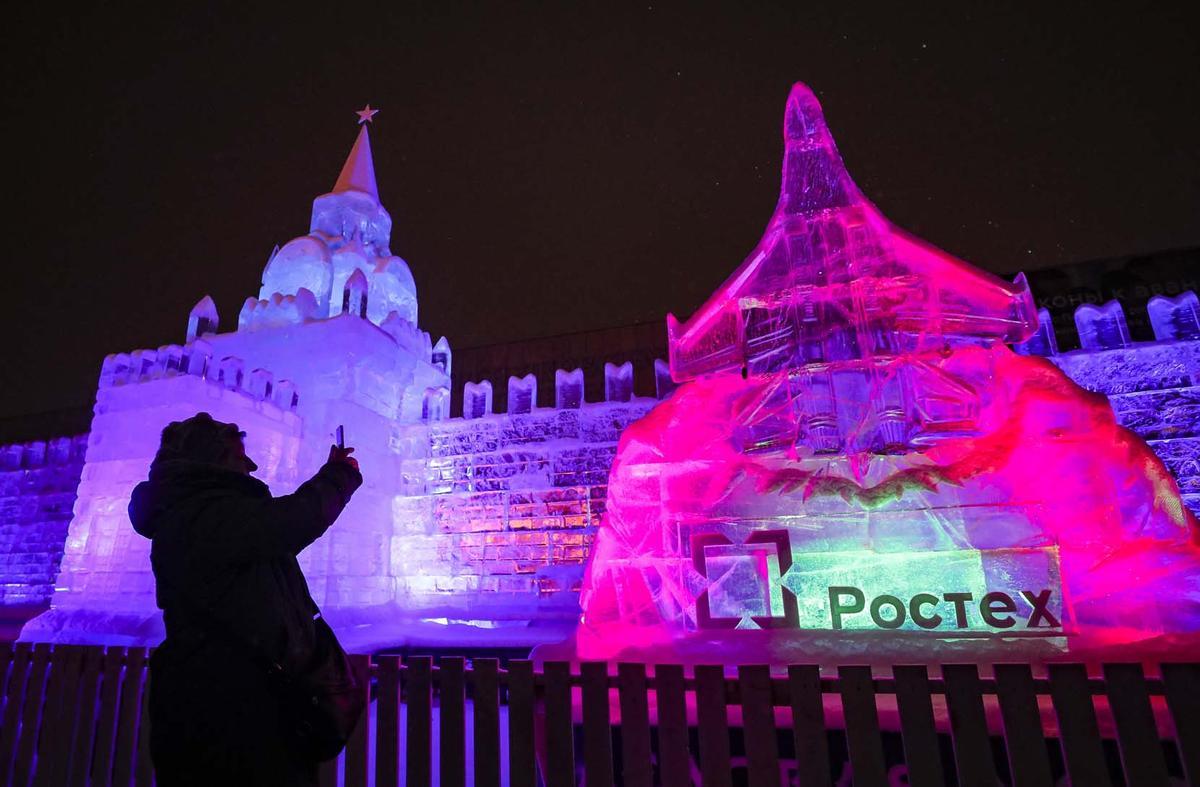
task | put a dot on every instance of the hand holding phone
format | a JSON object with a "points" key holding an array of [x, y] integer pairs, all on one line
{"points": [[338, 452]]}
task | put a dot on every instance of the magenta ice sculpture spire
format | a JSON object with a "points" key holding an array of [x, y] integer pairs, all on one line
{"points": [[850, 317]]}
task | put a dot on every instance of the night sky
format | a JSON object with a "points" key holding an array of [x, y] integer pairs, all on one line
{"points": [[555, 167]]}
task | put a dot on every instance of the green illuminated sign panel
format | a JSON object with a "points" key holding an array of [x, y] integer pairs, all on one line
{"points": [[1005, 591]]}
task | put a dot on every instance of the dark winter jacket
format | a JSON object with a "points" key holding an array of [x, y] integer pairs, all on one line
{"points": [[222, 544]]}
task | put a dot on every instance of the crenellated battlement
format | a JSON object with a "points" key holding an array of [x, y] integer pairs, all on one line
{"points": [[196, 358], [569, 390], [43, 453], [278, 310], [1104, 327], [1109, 362]]}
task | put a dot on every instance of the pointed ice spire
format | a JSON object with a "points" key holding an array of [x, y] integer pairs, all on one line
{"points": [[814, 178], [354, 294], [358, 173], [202, 319]]}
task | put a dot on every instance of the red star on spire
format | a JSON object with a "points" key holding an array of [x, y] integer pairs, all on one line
{"points": [[365, 114]]}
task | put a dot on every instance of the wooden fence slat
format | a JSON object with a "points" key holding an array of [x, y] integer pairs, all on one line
{"points": [[66, 714], [522, 764], [968, 725], [758, 725], [674, 760], [125, 749], [418, 688], [452, 757], [6, 658], [862, 726], [329, 771], [106, 720], [485, 688], [597, 725], [808, 726], [52, 701], [387, 722], [713, 722], [1182, 685], [51, 706], [14, 700], [86, 723], [637, 770], [1079, 732], [1137, 735], [31, 715], [143, 769], [922, 754], [58, 718], [560, 738], [1024, 738], [356, 767]]}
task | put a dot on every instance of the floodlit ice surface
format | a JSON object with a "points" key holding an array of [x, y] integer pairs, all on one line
{"points": [[857, 464]]}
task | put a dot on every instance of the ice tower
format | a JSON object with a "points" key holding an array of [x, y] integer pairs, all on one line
{"points": [[332, 339], [350, 231], [856, 463]]}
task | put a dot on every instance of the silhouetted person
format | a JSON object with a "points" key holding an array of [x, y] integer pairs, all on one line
{"points": [[224, 558]]}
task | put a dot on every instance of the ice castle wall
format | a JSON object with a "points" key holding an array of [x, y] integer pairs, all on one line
{"points": [[38, 482], [498, 512], [491, 518]]}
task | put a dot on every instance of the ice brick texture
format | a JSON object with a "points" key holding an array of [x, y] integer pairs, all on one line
{"points": [[496, 514], [38, 482]]}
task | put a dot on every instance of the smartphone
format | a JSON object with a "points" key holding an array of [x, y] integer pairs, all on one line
{"points": [[340, 435]]}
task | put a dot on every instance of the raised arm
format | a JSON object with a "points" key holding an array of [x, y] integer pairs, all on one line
{"points": [[242, 528]]}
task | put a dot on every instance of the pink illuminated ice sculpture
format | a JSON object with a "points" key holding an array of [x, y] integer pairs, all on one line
{"points": [[857, 463]]}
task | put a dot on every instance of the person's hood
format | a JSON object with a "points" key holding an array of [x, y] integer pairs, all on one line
{"points": [[177, 481]]}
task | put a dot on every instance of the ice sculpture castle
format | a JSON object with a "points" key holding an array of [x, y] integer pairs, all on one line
{"points": [[850, 417]]}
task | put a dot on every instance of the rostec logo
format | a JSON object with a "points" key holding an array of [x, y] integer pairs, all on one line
{"points": [[997, 609], [760, 582]]}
